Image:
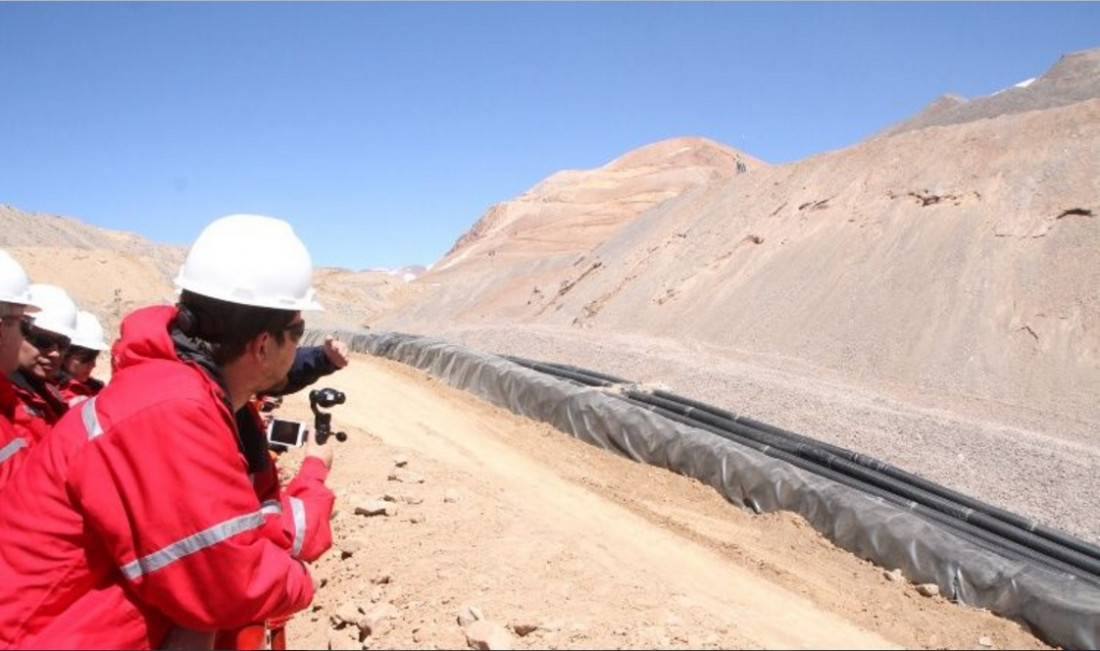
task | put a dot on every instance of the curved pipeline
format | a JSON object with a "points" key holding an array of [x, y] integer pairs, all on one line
{"points": [[1026, 524], [965, 530], [870, 476], [990, 524]]}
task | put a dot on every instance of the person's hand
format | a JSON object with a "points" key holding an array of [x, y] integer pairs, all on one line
{"points": [[322, 452], [336, 351]]}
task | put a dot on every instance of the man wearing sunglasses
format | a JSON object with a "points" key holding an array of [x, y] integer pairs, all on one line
{"points": [[142, 495], [45, 340], [16, 308], [75, 379]]}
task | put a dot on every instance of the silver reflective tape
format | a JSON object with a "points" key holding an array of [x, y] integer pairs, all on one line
{"points": [[298, 513], [91, 421], [11, 448], [271, 507], [193, 543]]}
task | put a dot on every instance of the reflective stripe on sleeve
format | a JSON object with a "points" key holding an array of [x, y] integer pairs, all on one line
{"points": [[298, 512], [11, 448], [271, 507], [193, 543], [91, 420]]}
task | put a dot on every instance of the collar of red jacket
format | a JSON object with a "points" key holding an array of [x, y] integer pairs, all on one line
{"points": [[42, 396], [8, 398]]}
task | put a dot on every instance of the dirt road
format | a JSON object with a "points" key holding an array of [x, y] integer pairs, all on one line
{"points": [[557, 544]]}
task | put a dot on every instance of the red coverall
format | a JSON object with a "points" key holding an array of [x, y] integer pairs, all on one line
{"points": [[31, 413], [137, 513], [13, 443]]}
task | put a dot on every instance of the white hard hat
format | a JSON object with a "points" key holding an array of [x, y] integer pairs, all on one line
{"points": [[89, 334], [58, 313], [250, 260], [14, 284]]}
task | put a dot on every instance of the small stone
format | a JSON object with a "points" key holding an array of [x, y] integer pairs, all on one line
{"points": [[406, 477], [468, 615], [347, 613], [450, 495], [487, 635], [985, 640], [377, 617], [524, 629], [381, 578], [349, 546], [928, 589], [376, 507], [893, 575]]}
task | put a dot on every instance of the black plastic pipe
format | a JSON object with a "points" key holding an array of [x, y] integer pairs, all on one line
{"points": [[873, 477], [583, 377], [981, 537], [600, 376], [981, 509], [1075, 553], [1076, 544]]}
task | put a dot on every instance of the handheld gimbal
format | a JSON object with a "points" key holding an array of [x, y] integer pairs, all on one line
{"points": [[322, 421]]}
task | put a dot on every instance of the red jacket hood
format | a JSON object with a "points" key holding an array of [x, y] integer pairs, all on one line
{"points": [[143, 335]]}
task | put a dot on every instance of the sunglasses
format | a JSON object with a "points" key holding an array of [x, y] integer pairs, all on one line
{"points": [[295, 330], [22, 320], [83, 355], [42, 340]]}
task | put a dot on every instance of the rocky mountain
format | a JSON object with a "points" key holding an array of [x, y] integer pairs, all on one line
{"points": [[1074, 78], [957, 253]]}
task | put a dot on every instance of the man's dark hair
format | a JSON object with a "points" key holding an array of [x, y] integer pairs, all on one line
{"points": [[228, 327]]}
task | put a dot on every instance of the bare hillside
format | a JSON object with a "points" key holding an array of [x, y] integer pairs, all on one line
{"points": [[959, 259], [929, 297], [112, 272], [575, 210]]}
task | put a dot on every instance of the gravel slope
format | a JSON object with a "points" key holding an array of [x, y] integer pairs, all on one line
{"points": [[993, 452]]}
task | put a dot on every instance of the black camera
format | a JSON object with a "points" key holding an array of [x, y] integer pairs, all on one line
{"points": [[324, 399], [327, 397]]}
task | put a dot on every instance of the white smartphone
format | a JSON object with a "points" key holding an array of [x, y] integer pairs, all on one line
{"points": [[290, 433]]}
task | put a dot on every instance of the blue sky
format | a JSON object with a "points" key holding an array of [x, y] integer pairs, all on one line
{"points": [[383, 131]]}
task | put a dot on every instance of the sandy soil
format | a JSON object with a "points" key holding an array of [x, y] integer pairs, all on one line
{"points": [[508, 532]]}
